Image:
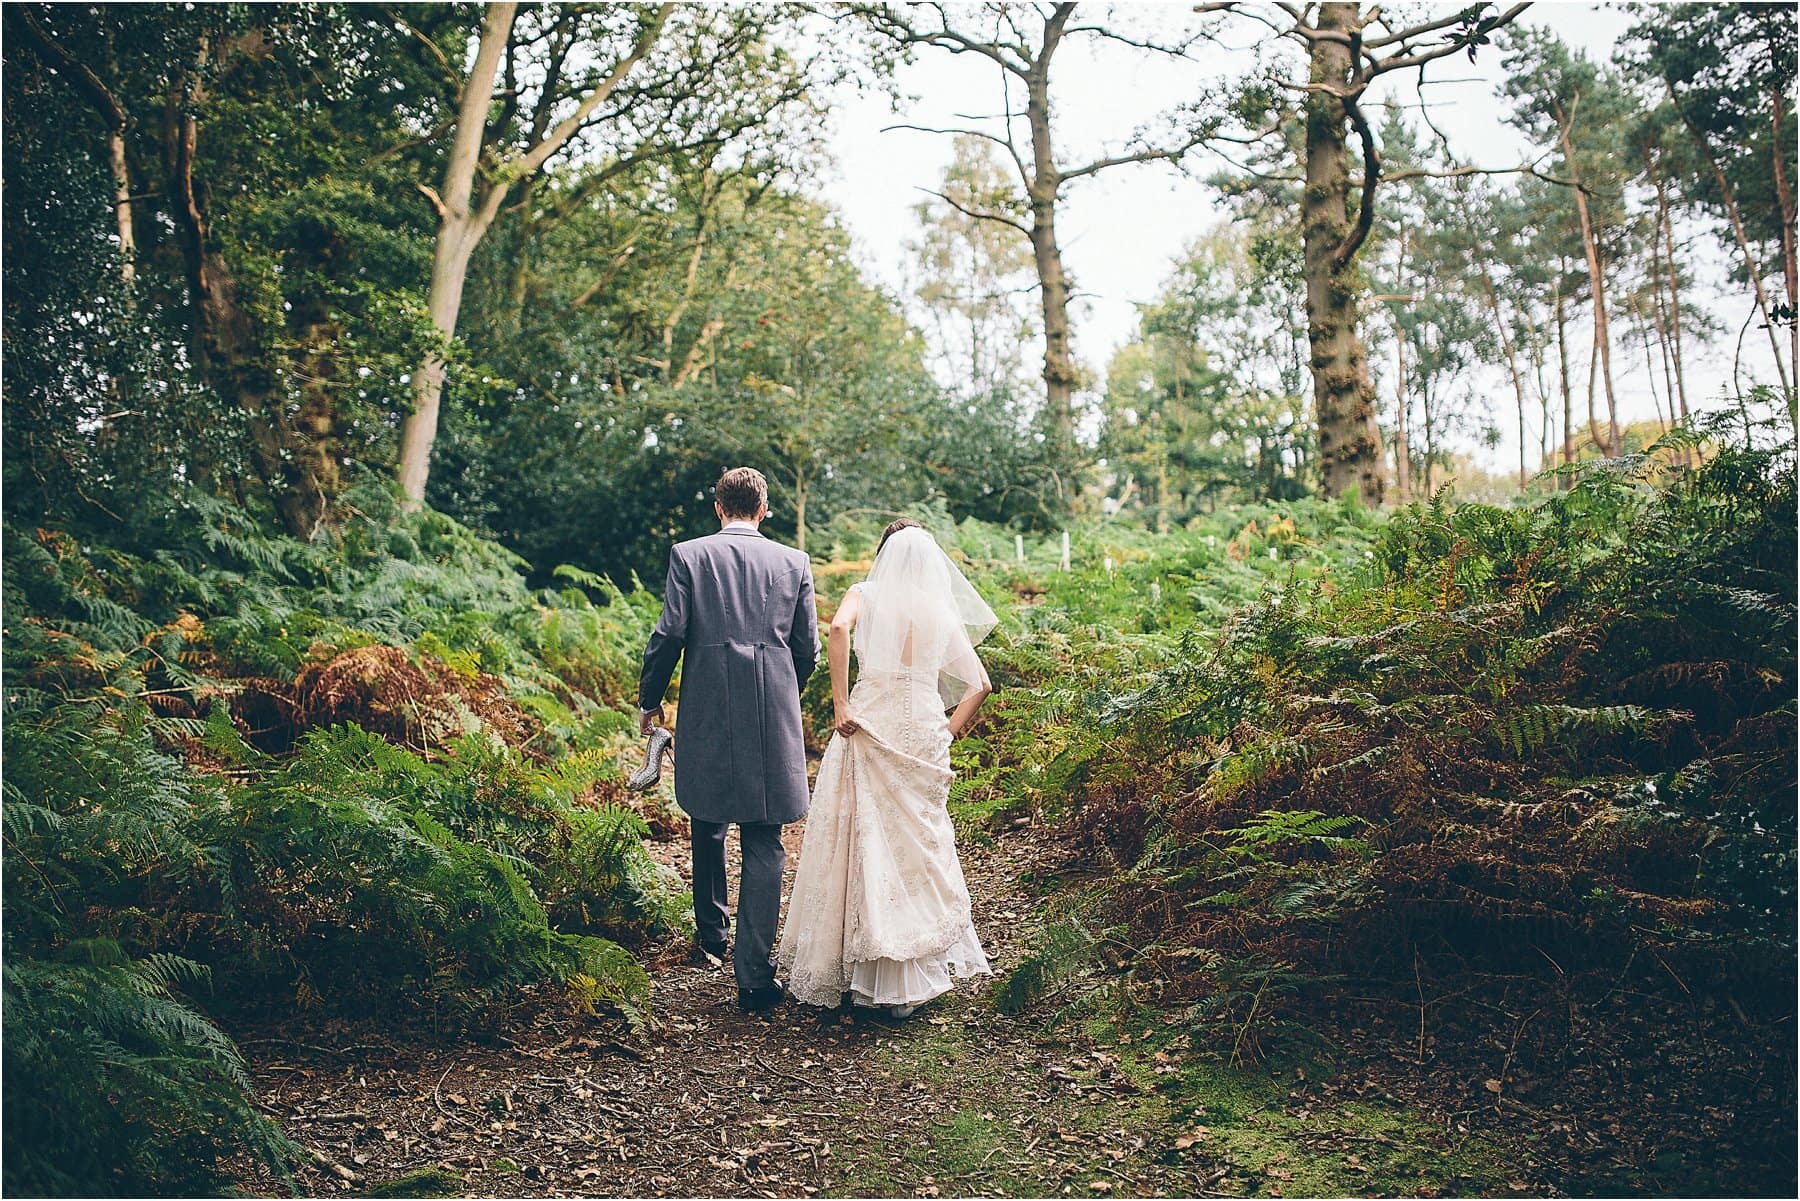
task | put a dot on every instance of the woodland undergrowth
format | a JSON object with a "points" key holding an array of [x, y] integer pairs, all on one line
{"points": [[1302, 745], [1549, 739], [368, 775]]}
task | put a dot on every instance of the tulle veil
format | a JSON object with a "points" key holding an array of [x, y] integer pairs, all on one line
{"points": [[920, 614]]}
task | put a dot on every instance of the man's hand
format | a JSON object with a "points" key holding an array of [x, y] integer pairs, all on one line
{"points": [[649, 719]]}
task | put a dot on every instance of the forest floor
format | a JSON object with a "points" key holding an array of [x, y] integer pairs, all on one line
{"points": [[959, 1100]]}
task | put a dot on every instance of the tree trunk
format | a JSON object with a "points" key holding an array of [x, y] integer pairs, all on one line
{"points": [[226, 342], [1162, 487], [1562, 355], [1512, 364], [1546, 427], [1343, 394], [459, 231], [1590, 242], [112, 112], [1674, 282], [115, 146], [316, 338], [1784, 197], [1430, 432], [799, 512], [1751, 267], [1060, 376], [463, 221], [518, 267], [1402, 447], [1601, 442], [690, 283], [1402, 450], [1660, 322], [1643, 325]]}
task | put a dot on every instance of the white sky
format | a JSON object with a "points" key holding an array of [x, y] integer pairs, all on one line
{"points": [[1122, 229]]}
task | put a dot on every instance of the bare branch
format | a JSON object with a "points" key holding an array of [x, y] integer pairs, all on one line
{"points": [[1365, 213], [1178, 50], [1407, 57], [1420, 30], [975, 133], [1255, 12], [977, 214], [437, 202], [566, 128], [1149, 154], [888, 23], [77, 72], [1459, 172]]}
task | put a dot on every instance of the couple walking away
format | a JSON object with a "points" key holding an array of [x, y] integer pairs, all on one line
{"points": [[880, 910]]}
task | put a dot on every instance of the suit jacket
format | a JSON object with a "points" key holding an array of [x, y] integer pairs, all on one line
{"points": [[740, 608]]}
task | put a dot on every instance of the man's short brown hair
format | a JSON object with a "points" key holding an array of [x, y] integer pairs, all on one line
{"points": [[742, 492]]}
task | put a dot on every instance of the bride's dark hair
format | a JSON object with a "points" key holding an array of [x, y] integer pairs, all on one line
{"points": [[894, 527]]}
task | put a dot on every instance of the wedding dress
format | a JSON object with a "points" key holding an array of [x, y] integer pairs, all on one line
{"points": [[880, 908]]}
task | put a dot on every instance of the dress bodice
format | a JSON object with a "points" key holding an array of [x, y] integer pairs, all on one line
{"points": [[904, 708]]}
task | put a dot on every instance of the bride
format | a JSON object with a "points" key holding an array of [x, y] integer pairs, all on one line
{"points": [[880, 909]]}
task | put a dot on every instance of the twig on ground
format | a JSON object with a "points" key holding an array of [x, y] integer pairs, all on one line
{"points": [[766, 1066], [438, 1100]]}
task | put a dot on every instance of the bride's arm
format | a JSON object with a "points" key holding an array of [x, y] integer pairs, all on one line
{"points": [[842, 623], [971, 701]]}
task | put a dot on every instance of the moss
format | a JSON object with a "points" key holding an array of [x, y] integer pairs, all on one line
{"points": [[425, 1182], [1134, 1110]]}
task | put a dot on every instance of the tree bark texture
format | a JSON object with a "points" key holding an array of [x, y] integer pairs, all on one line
{"points": [[1343, 394]]}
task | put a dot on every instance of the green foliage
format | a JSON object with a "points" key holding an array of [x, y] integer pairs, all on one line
{"points": [[1566, 725], [1062, 949], [116, 1087], [151, 845]]}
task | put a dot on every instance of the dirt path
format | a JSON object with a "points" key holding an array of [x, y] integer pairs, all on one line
{"points": [[723, 1104], [959, 1100]]}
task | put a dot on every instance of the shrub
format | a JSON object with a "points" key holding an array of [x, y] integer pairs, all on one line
{"points": [[1570, 725]]}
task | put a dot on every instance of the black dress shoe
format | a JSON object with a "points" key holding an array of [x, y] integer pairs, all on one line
{"points": [[708, 954], [755, 1000]]}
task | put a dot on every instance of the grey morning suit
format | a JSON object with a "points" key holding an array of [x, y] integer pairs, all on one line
{"points": [[740, 608]]}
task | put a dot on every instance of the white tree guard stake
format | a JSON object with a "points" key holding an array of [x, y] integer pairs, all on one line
{"points": [[1019, 547], [1065, 554]]}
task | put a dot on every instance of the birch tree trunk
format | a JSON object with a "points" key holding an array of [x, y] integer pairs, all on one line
{"points": [[112, 112], [459, 232], [464, 217], [1402, 450]]}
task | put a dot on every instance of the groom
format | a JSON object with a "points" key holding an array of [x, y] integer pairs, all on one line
{"points": [[741, 607]]}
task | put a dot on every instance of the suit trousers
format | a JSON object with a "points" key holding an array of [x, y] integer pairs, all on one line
{"points": [[759, 895]]}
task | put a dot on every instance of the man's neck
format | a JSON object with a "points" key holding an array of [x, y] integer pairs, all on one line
{"points": [[735, 522]]}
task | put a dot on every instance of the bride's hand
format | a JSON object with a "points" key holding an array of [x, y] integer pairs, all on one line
{"points": [[845, 722]]}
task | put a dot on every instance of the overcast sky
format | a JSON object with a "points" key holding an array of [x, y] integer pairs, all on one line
{"points": [[1121, 230]]}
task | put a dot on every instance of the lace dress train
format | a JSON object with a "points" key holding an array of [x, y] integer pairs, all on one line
{"points": [[880, 909]]}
